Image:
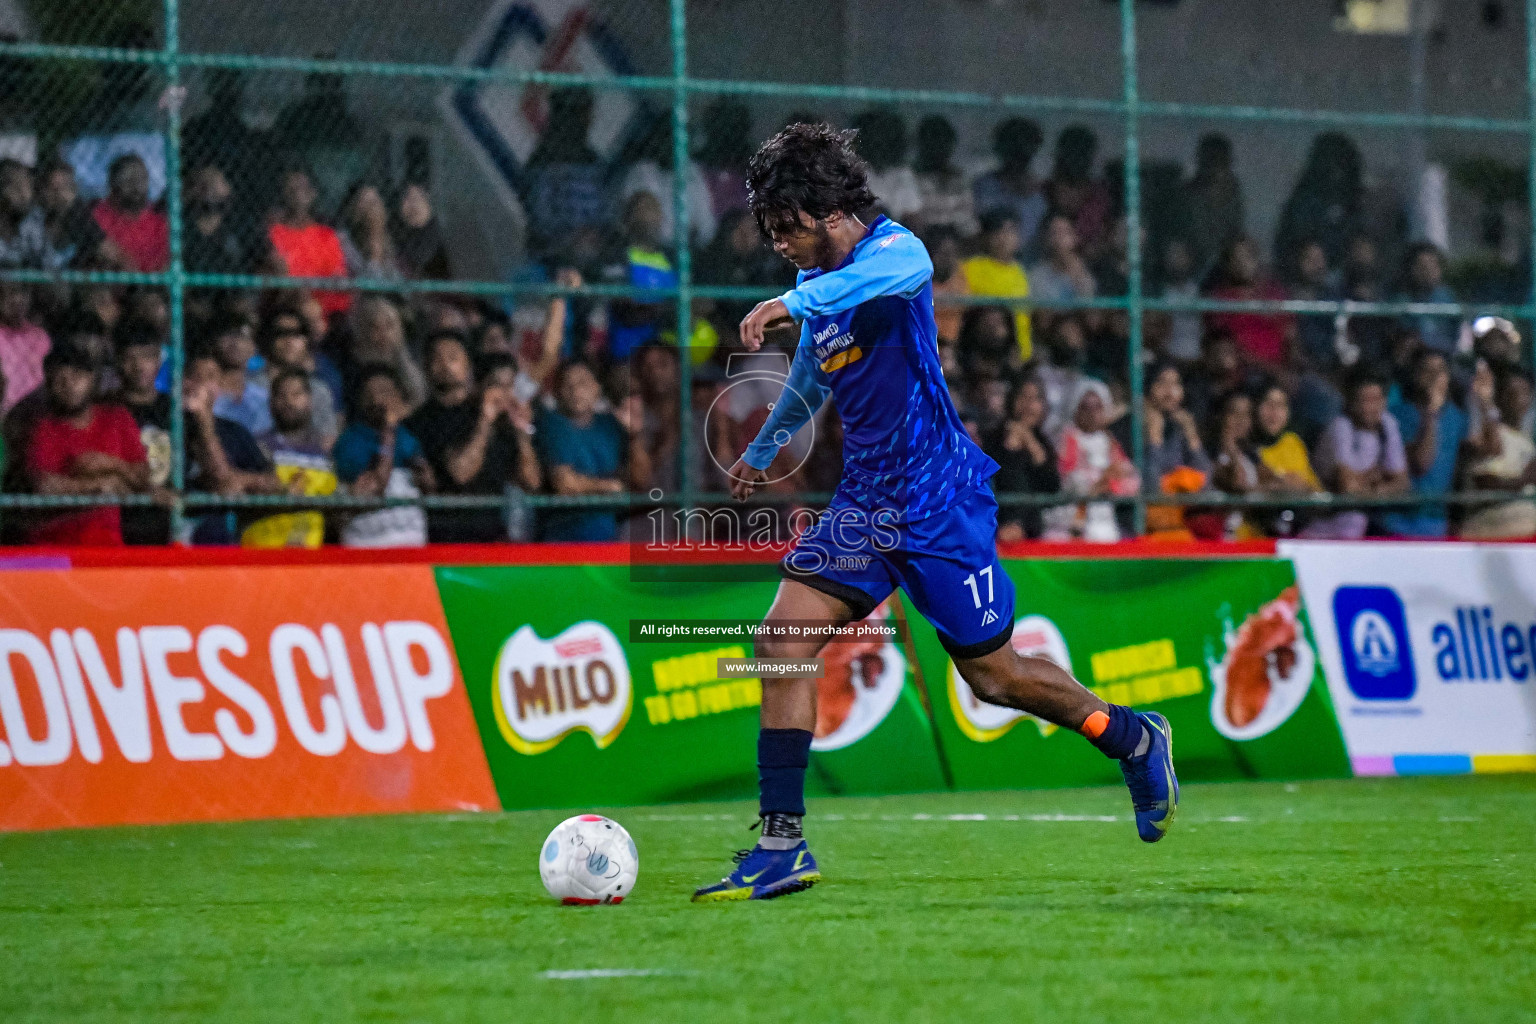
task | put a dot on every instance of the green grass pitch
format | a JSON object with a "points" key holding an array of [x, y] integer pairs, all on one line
{"points": [[1389, 900]]}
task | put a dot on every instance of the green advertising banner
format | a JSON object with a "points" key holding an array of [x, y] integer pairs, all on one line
{"points": [[578, 706], [1221, 647]]}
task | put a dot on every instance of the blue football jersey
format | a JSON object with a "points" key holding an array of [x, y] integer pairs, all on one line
{"points": [[868, 338]]}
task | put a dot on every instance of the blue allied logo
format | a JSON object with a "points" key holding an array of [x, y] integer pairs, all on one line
{"points": [[1373, 639]]}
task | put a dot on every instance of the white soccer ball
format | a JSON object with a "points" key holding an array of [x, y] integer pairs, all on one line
{"points": [[589, 859]]}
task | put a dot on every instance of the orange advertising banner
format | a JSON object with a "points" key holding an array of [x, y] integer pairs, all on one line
{"points": [[159, 695]]}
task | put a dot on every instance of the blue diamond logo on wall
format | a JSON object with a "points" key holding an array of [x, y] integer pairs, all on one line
{"points": [[1373, 639], [504, 120]]}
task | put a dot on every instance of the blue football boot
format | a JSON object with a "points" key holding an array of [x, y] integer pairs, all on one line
{"points": [[1153, 785], [763, 875]]}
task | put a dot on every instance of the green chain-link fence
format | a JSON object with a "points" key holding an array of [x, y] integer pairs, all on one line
{"points": [[83, 73]]}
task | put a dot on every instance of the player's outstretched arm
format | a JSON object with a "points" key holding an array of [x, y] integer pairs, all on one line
{"points": [[805, 389], [898, 265]]}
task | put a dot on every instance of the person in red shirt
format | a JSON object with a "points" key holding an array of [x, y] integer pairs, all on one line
{"points": [[1264, 338], [139, 233], [83, 447], [302, 246]]}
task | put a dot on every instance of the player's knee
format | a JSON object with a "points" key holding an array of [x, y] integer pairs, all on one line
{"points": [[771, 647]]}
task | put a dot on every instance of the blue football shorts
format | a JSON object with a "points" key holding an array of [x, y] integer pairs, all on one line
{"points": [[947, 563]]}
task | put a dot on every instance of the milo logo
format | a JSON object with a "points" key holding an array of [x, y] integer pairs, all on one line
{"points": [[546, 689]]}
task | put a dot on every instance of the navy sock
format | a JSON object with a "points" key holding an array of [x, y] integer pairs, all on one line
{"points": [[1119, 736], [782, 756]]}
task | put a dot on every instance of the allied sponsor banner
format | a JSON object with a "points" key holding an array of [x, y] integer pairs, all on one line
{"points": [[1221, 647], [1430, 651], [578, 708], [155, 695]]}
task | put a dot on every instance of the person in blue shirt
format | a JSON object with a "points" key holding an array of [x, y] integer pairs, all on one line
{"points": [[1424, 281], [914, 507], [588, 453]]}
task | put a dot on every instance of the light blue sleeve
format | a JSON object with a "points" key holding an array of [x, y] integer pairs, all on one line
{"points": [[805, 389], [897, 265]]}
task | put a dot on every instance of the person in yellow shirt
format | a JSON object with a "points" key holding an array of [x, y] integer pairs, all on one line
{"points": [[996, 270], [1284, 465]]}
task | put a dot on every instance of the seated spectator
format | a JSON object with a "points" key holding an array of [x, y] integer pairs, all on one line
{"points": [[1283, 465], [1093, 465], [378, 337], [948, 283], [1434, 430], [1112, 270], [211, 243], [944, 194], [288, 351], [138, 366], [23, 243], [1061, 377], [738, 258], [222, 456], [79, 447], [658, 395], [567, 192], [882, 142], [1210, 205], [1173, 437], [1264, 338], [1361, 453], [242, 394], [1177, 280], [300, 454], [1424, 281], [987, 348], [1026, 461], [1235, 468], [726, 133], [1367, 337], [23, 344], [1074, 191], [71, 234], [378, 457], [477, 440], [642, 263], [138, 231], [301, 245], [588, 452], [652, 173], [1315, 332], [1061, 275], [419, 242], [366, 242], [1012, 187], [1511, 468], [1220, 370], [996, 271]]}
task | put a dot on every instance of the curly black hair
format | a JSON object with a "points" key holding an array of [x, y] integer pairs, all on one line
{"points": [[806, 167]]}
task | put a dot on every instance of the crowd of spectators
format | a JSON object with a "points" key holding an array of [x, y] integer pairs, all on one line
{"points": [[394, 393]]}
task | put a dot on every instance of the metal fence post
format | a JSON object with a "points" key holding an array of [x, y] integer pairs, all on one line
{"points": [[172, 99], [1134, 245], [1530, 170], [680, 234]]}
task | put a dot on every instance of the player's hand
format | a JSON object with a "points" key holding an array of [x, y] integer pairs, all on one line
{"points": [[765, 316], [745, 479]]}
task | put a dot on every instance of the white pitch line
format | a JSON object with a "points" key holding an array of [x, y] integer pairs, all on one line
{"points": [[1229, 818], [608, 972]]}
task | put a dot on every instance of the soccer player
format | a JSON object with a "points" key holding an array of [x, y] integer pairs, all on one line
{"points": [[914, 508]]}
